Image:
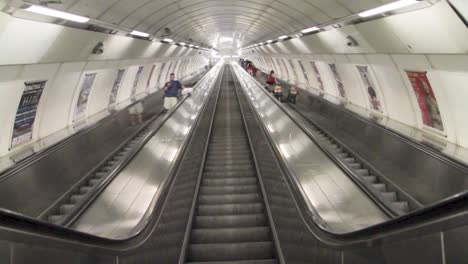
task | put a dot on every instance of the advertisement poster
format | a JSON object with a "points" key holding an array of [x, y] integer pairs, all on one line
{"points": [[374, 100], [82, 103], [317, 75], [137, 79], [116, 87], [26, 113], [426, 99], [148, 83], [339, 82]]}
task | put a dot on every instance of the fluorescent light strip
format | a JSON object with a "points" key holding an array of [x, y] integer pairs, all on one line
{"points": [[168, 40], [55, 13], [269, 41], [182, 43], [139, 34], [283, 37], [308, 30], [388, 7]]}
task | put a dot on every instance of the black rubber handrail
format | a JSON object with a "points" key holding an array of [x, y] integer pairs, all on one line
{"points": [[439, 212]]}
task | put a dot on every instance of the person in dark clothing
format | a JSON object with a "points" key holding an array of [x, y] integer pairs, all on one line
{"points": [[271, 80], [278, 93], [171, 92]]}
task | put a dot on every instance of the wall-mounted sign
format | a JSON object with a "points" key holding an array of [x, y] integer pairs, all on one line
{"points": [[85, 91], [26, 113], [116, 87], [137, 79], [339, 82], [426, 99], [371, 88]]}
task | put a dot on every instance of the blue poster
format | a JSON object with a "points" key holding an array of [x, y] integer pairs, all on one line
{"points": [[26, 113]]}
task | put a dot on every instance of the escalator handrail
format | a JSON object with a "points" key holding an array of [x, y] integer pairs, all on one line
{"points": [[26, 226], [432, 214]]}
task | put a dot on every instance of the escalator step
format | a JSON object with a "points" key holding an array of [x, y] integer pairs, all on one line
{"points": [[230, 181], [381, 187], [230, 209], [226, 221], [266, 261], [55, 218], [76, 198], [390, 196], [363, 172], [66, 208], [228, 189], [370, 179], [231, 251], [230, 235], [229, 198], [355, 165], [221, 167], [229, 174], [401, 206], [85, 189]]}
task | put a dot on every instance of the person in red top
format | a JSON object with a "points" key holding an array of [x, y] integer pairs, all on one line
{"points": [[250, 69], [271, 80]]}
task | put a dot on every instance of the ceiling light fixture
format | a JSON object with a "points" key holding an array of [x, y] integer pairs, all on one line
{"points": [[283, 37], [182, 43], [168, 40], [269, 41], [308, 30], [139, 34], [388, 7], [55, 13]]}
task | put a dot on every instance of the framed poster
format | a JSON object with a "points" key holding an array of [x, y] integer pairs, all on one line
{"points": [[338, 80], [26, 113], [137, 79], [85, 91], [317, 75], [116, 87], [371, 88], [427, 102], [148, 83]]}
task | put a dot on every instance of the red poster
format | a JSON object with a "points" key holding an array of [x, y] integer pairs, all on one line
{"points": [[426, 99]]}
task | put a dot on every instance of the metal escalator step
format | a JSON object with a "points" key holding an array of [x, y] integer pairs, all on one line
{"points": [[350, 160], [55, 218], [236, 167], [390, 196], [66, 208], [220, 162], [93, 182], [230, 198], [266, 261], [230, 181], [76, 198], [230, 209], [370, 179], [381, 187], [231, 251], [343, 155], [401, 206], [85, 189], [229, 174], [230, 235], [228, 189], [100, 175], [226, 221], [363, 172], [355, 165]]}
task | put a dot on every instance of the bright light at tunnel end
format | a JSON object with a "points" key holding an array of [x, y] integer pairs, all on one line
{"points": [[58, 14], [388, 7]]}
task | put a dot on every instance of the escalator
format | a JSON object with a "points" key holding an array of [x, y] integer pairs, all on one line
{"points": [[230, 223], [231, 200]]}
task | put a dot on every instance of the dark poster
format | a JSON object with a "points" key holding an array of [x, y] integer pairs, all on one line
{"points": [[426, 99], [317, 75], [26, 113], [370, 88]]}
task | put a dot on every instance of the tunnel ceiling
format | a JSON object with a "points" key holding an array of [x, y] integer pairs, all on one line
{"points": [[215, 21]]}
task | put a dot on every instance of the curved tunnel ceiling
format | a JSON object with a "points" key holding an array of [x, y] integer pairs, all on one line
{"points": [[206, 21]]}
